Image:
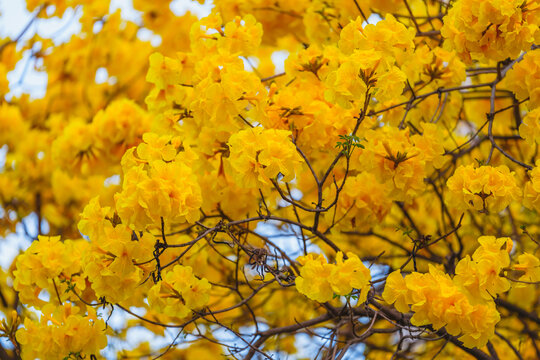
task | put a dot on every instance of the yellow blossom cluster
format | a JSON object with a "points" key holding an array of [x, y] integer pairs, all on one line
{"points": [[391, 156], [303, 107], [528, 269], [158, 185], [363, 200], [62, 332], [120, 127], [439, 67], [485, 189], [320, 280], [480, 275], [524, 78], [239, 36], [49, 265], [367, 62], [87, 147], [435, 299], [257, 156], [491, 29], [179, 292], [463, 305], [168, 75], [531, 191], [12, 125], [530, 127], [8, 59], [112, 261]]}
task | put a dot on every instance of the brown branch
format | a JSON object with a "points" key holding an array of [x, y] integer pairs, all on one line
{"points": [[265, 335], [518, 310]]}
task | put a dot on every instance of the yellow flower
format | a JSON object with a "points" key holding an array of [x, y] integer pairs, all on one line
{"points": [[350, 274], [110, 262], [314, 279], [155, 189], [323, 18], [344, 85], [531, 191], [390, 84], [529, 268], [258, 155], [488, 29], [396, 292], [92, 217], [170, 77], [390, 155], [387, 37], [319, 280], [156, 147], [164, 71], [77, 148], [119, 127], [478, 326], [46, 265], [241, 36], [12, 126], [530, 127], [485, 189], [362, 202], [61, 332], [524, 80], [179, 292], [437, 299], [430, 144], [436, 67]]}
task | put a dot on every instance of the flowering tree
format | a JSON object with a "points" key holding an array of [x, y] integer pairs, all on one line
{"points": [[376, 197]]}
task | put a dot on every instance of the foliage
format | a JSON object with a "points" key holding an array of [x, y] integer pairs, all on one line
{"points": [[378, 195]]}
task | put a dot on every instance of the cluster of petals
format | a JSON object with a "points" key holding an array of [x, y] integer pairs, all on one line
{"points": [[491, 29], [523, 79], [320, 281], [49, 264], [179, 292], [480, 275], [62, 332], [257, 156], [158, 184], [463, 304], [485, 189]]}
